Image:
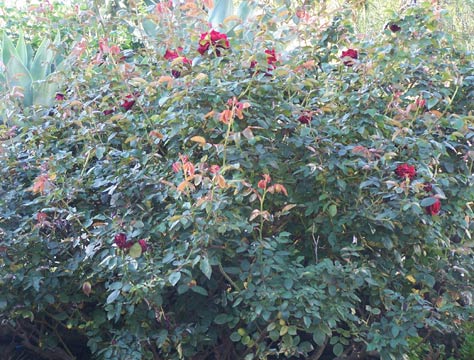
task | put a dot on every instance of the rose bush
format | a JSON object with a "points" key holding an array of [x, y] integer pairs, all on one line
{"points": [[238, 214]]}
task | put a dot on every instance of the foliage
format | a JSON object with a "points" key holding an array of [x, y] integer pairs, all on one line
{"points": [[34, 78], [267, 199]]}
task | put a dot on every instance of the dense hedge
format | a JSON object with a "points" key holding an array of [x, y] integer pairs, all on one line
{"points": [[285, 190]]}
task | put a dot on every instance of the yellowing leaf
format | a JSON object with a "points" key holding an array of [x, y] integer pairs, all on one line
{"points": [[254, 214], [201, 76], [411, 279], [136, 81], [75, 103], [156, 134], [135, 251], [209, 114], [436, 113], [116, 117], [231, 18], [287, 208], [199, 139], [185, 185], [42, 184], [221, 181]]}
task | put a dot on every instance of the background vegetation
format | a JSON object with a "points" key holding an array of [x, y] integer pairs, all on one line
{"points": [[295, 184]]}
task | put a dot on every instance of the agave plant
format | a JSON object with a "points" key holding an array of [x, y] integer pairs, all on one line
{"points": [[36, 76]]}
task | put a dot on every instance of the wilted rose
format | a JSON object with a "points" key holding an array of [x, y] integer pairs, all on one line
{"points": [[348, 56], [128, 102], [434, 208], [143, 244], [213, 39], [405, 171], [394, 28], [121, 240]]}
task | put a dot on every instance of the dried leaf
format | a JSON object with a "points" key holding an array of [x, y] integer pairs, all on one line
{"points": [[156, 134], [199, 139], [254, 214], [185, 185], [287, 208], [221, 181], [248, 133]]}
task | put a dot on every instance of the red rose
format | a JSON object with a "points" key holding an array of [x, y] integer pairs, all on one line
{"points": [[172, 55], [427, 186], [420, 102], [128, 102], [143, 244], [305, 118], [405, 171], [349, 53], [434, 208], [215, 39], [108, 111], [394, 28], [271, 58], [121, 240], [59, 97]]}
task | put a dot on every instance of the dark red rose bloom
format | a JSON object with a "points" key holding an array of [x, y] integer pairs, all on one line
{"points": [[271, 58], [59, 97], [215, 39], [143, 244], [128, 244], [405, 171], [128, 102], [427, 186], [305, 118], [349, 53], [434, 208], [420, 102], [172, 55], [394, 28], [121, 240], [108, 111]]}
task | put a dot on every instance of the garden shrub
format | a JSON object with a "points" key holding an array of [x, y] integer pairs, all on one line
{"points": [[256, 194]]}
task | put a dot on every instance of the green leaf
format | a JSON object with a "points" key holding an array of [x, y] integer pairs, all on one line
{"points": [[332, 210], [41, 65], [235, 336], [22, 51], [395, 331], [112, 296], [150, 28], [288, 283], [18, 75], [135, 251], [44, 91], [3, 304], [428, 201], [8, 49], [99, 152], [205, 267], [222, 9], [319, 338], [174, 278], [199, 290], [245, 9], [222, 319], [338, 349]]}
